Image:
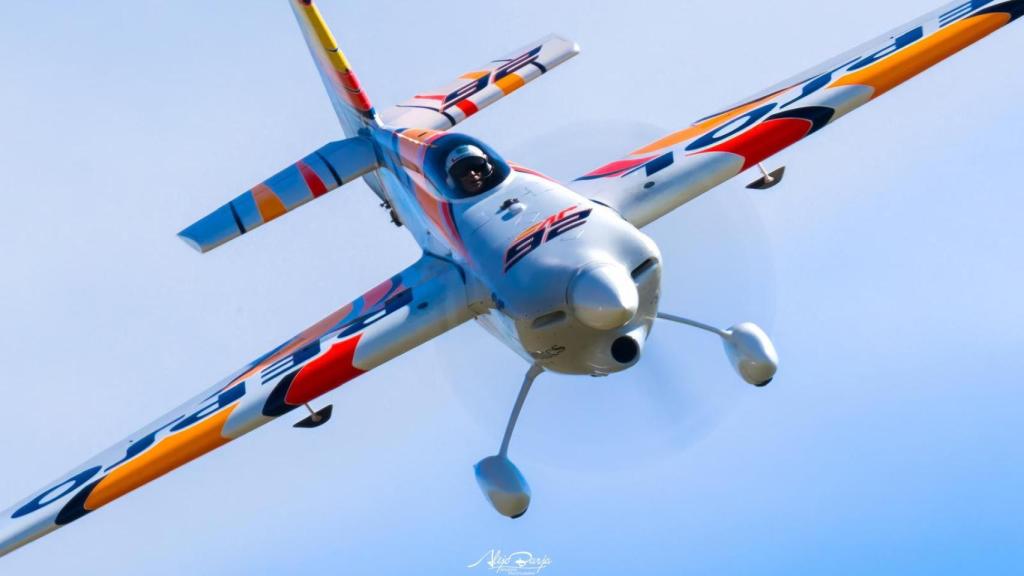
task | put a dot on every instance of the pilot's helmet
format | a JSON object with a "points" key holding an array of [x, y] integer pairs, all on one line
{"points": [[465, 159]]}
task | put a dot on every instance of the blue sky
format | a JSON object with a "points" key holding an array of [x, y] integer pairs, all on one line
{"points": [[887, 268]]}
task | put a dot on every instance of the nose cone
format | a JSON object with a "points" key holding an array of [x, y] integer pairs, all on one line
{"points": [[603, 296]]}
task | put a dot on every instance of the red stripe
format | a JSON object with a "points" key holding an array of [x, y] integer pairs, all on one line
{"points": [[617, 167], [325, 373], [467, 107], [764, 140], [452, 232], [313, 181], [446, 213], [354, 93]]}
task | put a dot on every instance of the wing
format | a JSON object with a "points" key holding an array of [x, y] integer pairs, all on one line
{"points": [[444, 107], [655, 179], [421, 302]]}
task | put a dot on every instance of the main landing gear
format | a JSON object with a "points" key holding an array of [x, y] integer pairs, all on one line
{"points": [[315, 418], [499, 479], [750, 352], [767, 179], [749, 349]]}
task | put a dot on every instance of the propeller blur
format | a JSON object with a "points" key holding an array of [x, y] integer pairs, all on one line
{"points": [[560, 272]]}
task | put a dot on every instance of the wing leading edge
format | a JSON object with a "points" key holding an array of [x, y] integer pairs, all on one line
{"points": [[412, 307], [655, 179]]}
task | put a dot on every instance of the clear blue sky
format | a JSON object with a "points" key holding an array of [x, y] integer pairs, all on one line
{"points": [[887, 267]]}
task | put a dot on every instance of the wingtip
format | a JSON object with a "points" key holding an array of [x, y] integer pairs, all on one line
{"points": [[192, 242], [574, 46]]}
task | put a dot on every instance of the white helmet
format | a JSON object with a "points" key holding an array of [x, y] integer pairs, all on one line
{"points": [[465, 154]]}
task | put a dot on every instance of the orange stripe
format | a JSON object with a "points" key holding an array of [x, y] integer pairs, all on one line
{"points": [[510, 83], [529, 231], [433, 209], [269, 205], [419, 179], [701, 127], [475, 75], [889, 73], [428, 204], [170, 453], [421, 136], [409, 150]]}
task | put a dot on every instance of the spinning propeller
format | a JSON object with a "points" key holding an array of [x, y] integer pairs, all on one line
{"points": [[748, 349]]}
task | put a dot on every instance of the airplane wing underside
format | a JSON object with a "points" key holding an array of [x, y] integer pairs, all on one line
{"points": [[412, 307], [653, 180]]}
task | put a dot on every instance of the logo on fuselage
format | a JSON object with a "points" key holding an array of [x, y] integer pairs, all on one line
{"points": [[533, 237]]}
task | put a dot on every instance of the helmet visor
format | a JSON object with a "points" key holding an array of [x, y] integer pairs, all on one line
{"points": [[472, 164]]}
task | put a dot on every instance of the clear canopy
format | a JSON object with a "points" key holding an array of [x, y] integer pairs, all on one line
{"points": [[434, 166]]}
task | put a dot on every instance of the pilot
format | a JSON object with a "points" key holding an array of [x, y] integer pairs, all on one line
{"points": [[469, 169]]}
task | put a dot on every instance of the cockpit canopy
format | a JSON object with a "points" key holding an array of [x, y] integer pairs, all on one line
{"points": [[434, 166]]}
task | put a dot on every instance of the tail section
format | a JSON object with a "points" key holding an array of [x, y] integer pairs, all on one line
{"points": [[443, 107], [327, 168], [340, 162], [350, 101]]}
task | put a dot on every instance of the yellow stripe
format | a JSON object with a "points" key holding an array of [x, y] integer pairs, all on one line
{"points": [[170, 453], [326, 39], [889, 73]]}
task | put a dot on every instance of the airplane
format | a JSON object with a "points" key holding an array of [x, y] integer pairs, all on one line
{"points": [[560, 272]]}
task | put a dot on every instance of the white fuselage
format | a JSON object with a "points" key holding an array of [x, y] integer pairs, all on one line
{"points": [[564, 281]]}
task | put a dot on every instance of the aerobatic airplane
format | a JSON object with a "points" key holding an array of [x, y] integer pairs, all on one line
{"points": [[561, 273]]}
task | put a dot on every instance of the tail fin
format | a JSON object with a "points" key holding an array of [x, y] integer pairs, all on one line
{"points": [[350, 102]]}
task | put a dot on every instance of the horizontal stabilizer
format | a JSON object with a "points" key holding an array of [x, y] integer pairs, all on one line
{"points": [[315, 175], [444, 107]]}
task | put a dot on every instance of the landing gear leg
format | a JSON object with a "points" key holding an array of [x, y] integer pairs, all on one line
{"points": [[315, 418], [499, 479], [749, 349], [767, 179]]}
